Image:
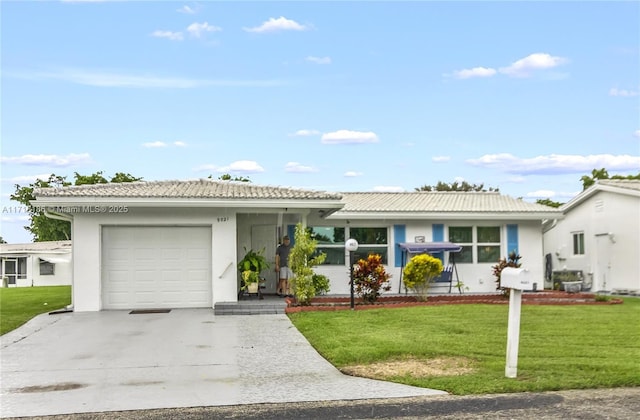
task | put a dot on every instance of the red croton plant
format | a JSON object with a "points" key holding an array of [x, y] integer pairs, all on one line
{"points": [[370, 278]]}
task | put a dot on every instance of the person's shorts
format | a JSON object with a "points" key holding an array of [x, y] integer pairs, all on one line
{"points": [[285, 273]]}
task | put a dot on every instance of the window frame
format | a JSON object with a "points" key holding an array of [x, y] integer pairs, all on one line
{"points": [[578, 246]]}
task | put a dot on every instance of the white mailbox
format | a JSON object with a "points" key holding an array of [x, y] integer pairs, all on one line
{"points": [[516, 278]]}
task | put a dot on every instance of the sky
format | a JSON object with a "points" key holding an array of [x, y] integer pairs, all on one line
{"points": [[526, 97]]}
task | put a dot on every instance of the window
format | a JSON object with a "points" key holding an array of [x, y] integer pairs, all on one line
{"points": [[47, 268], [463, 236], [22, 267], [578, 243], [488, 244], [331, 242], [371, 240], [484, 239]]}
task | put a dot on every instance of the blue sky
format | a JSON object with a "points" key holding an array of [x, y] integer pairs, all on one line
{"points": [[338, 96]]}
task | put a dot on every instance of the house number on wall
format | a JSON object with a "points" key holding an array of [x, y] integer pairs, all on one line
{"points": [[223, 219]]}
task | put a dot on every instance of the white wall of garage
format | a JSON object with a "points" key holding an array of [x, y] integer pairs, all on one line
{"points": [[87, 260]]}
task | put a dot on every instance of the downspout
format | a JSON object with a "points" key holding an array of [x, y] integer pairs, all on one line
{"points": [[66, 218]]}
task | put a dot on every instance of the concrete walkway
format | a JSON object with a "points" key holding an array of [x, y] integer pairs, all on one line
{"points": [[112, 361]]}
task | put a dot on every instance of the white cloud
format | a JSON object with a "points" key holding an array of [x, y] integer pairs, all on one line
{"points": [[279, 24], [187, 10], [441, 158], [305, 133], [637, 133], [319, 60], [474, 72], [242, 166], [197, 29], [352, 174], [623, 92], [387, 188], [162, 144], [154, 144], [298, 168], [541, 194], [110, 79], [537, 61], [47, 160], [349, 137], [556, 164], [173, 36]]}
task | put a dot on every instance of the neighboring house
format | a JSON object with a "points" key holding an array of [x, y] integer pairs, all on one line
{"points": [[175, 244], [599, 235], [37, 263]]}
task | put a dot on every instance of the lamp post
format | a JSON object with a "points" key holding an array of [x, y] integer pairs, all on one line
{"points": [[351, 245]]}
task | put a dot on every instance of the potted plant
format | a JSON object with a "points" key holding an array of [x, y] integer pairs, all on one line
{"points": [[250, 267]]}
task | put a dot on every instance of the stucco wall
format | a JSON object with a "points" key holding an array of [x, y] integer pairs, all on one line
{"points": [[610, 221], [477, 277], [87, 248]]}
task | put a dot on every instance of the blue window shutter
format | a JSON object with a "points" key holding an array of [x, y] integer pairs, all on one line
{"points": [[399, 235], [291, 232], [437, 235], [512, 238]]}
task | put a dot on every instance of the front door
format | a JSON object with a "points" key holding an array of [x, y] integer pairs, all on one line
{"points": [[265, 237]]}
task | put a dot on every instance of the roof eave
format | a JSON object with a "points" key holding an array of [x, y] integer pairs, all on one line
{"points": [[341, 215], [168, 202]]}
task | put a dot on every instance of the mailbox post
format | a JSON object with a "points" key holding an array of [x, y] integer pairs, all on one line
{"points": [[517, 279], [351, 245]]}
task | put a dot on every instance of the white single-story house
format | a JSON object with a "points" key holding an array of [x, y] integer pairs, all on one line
{"points": [[37, 263], [599, 237], [175, 244]]}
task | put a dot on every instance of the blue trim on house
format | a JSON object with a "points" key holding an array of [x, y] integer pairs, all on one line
{"points": [[512, 238], [437, 235], [399, 235]]}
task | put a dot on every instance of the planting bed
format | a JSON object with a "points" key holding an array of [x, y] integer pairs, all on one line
{"points": [[331, 303]]}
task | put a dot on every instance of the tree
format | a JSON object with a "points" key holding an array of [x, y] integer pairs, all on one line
{"points": [[2, 241], [302, 261], [44, 228], [602, 173], [455, 186], [228, 177], [548, 202]]}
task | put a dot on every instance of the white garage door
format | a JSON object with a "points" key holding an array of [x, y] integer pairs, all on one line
{"points": [[156, 267]]}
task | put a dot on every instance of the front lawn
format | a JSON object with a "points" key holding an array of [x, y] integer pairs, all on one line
{"points": [[19, 304], [462, 348]]}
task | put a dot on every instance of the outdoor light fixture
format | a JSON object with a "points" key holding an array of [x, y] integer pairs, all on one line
{"points": [[351, 245]]}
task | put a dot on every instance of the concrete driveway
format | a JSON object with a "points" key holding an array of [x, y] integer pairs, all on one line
{"points": [[112, 361]]}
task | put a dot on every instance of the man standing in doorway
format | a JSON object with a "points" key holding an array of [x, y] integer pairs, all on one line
{"points": [[282, 267]]}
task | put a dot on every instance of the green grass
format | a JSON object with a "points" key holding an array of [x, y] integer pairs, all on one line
{"points": [[561, 347], [19, 304]]}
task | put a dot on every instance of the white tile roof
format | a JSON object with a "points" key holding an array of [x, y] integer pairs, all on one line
{"points": [[37, 247], [627, 184], [437, 202], [202, 188]]}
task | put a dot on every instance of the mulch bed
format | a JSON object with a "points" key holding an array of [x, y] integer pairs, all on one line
{"points": [[331, 303]]}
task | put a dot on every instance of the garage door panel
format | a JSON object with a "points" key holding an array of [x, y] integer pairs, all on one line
{"points": [[156, 267]]}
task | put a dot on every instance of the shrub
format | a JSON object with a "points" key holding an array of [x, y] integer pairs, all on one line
{"points": [[370, 277], [513, 260], [320, 284], [419, 273], [302, 262]]}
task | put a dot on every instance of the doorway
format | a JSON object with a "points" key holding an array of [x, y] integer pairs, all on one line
{"points": [[602, 280], [265, 237]]}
